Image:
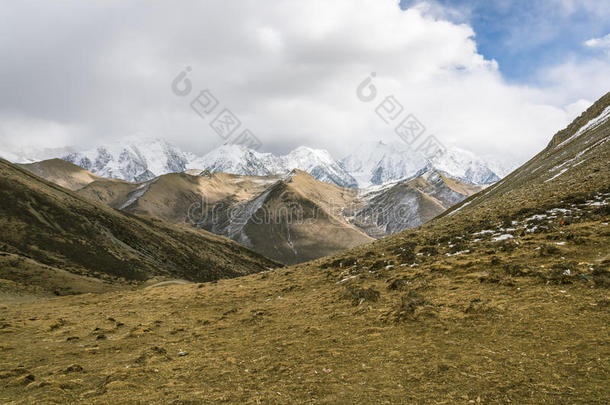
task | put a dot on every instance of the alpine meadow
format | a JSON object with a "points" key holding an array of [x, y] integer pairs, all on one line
{"points": [[347, 202]]}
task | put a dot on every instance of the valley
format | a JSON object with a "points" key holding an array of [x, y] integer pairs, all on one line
{"points": [[501, 299], [291, 208], [305, 202]]}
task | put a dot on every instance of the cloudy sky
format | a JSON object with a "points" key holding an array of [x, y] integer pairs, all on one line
{"points": [[494, 77]]}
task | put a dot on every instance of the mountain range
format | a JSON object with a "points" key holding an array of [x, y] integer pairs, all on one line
{"points": [[141, 159], [290, 218], [380, 163], [291, 208]]}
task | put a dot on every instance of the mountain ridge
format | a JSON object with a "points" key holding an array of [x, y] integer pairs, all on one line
{"points": [[140, 159], [242, 207]]}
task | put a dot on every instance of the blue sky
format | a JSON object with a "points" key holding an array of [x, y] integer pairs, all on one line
{"points": [[527, 36]]}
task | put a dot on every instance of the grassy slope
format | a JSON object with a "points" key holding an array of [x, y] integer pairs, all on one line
{"points": [[63, 173], [475, 321], [60, 228]]}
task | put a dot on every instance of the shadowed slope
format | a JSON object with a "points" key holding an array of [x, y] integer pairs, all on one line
{"points": [[60, 228]]}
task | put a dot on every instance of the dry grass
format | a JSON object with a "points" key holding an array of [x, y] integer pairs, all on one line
{"points": [[492, 326]]}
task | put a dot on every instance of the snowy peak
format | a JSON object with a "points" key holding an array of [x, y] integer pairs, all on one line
{"points": [[381, 163], [304, 157], [132, 159], [369, 165], [321, 165], [465, 166], [236, 159], [144, 159]]}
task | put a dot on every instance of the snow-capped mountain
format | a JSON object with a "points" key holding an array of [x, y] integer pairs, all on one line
{"points": [[381, 163], [465, 166], [237, 159], [321, 165], [141, 159], [134, 159], [137, 159]]}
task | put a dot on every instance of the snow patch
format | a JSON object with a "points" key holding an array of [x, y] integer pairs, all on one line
{"points": [[594, 123], [505, 236], [557, 175], [347, 278]]}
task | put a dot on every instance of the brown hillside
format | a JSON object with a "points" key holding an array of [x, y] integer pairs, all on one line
{"points": [[56, 227]]}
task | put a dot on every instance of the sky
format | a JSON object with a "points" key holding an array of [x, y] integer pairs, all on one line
{"points": [[498, 78], [527, 36]]}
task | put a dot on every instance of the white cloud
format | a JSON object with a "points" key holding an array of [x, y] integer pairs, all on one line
{"points": [[41, 137], [599, 43], [289, 70]]}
